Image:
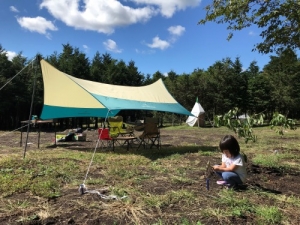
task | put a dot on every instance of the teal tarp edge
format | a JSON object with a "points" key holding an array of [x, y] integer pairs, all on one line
{"points": [[124, 104], [55, 112]]}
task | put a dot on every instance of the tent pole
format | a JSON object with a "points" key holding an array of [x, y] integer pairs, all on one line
{"points": [[31, 106]]}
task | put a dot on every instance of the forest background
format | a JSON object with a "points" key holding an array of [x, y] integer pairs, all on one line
{"points": [[219, 88]]}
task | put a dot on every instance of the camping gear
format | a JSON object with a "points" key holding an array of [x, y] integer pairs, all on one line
{"points": [[151, 133], [116, 127], [67, 96], [104, 137], [198, 116]]}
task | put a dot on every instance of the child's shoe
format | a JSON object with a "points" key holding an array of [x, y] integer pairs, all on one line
{"points": [[221, 182]]}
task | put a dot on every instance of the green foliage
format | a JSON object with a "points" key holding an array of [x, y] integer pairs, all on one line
{"points": [[236, 206], [241, 127], [185, 221], [268, 215], [280, 123], [35, 176], [27, 219], [267, 160], [278, 20], [224, 85], [280, 161]]}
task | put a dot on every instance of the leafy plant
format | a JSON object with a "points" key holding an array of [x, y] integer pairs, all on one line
{"points": [[267, 15], [280, 123], [242, 127]]}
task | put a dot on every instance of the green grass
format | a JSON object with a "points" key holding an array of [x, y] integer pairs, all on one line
{"points": [[163, 186], [268, 214]]}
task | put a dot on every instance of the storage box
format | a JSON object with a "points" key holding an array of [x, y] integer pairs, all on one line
{"points": [[80, 137], [76, 137], [60, 137]]}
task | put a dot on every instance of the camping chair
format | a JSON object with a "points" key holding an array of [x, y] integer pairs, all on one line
{"points": [[116, 127], [104, 137], [151, 133], [139, 125]]}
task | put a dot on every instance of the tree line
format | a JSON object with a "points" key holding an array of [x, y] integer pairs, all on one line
{"points": [[222, 86]]}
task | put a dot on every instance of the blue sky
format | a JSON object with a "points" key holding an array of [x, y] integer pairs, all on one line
{"points": [[158, 35]]}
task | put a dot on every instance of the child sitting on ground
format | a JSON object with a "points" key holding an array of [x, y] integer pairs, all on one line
{"points": [[233, 167]]}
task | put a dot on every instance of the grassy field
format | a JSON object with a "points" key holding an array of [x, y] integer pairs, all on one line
{"points": [[148, 186]]}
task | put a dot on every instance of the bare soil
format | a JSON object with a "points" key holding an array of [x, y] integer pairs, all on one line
{"points": [[268, 180]]}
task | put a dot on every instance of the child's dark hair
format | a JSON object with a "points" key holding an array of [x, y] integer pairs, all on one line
{"points": [[230, 143]]}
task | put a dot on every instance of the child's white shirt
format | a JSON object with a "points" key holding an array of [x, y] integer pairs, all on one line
{"points": [[240, 162]]}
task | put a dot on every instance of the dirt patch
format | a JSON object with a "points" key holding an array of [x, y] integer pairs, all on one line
{"points": [[70, 207]]}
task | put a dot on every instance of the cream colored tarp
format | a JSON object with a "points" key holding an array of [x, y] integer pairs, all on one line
{"points": [[67, 96]]}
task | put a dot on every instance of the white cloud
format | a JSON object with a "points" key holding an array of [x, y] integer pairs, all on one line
{"points": [[38, 24], [158, 43], [86, 48], [176, 30], [111, 45], [97, 15], [13, 9], [105, 15], [168, 7], [11, 55]]}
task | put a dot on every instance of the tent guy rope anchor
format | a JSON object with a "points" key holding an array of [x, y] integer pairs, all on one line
{"points": [[83, 190], [82, 187]]}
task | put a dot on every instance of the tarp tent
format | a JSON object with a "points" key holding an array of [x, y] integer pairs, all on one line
{"points": [[67, 96], [197, 119]]}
